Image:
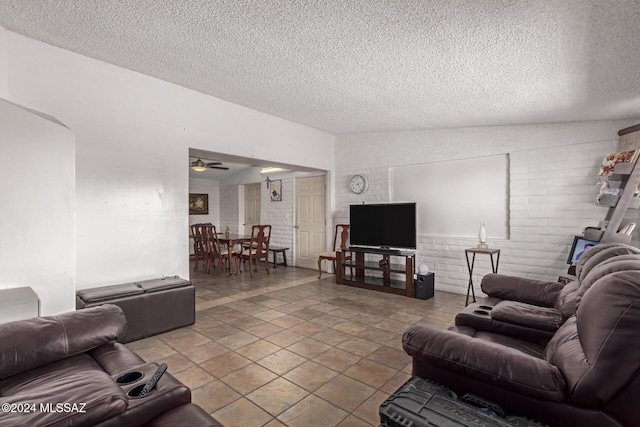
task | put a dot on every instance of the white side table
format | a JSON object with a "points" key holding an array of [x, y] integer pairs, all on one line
{"points": [[18, 304]]}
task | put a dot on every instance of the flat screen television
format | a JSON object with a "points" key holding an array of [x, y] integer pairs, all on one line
{"points": [[385, 225]]}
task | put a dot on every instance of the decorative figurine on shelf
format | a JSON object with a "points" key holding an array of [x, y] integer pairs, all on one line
{"points": [[604, 186], [226, 233], [482, 237], [606, 189]]}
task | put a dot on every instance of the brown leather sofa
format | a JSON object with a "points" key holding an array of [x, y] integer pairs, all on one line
{"points": [[588, 374], [531, 309], [68, 370]]}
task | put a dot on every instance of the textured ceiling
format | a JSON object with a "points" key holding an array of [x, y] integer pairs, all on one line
{"points": [[377, 65]]}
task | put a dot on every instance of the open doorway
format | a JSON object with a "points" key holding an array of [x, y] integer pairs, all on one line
{"points": [[236, 200]]}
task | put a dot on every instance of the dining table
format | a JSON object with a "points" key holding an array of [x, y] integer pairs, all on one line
{"points": [[231, 240]]}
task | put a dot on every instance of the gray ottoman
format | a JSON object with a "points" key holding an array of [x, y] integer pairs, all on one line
{"points": [[151, 306]]}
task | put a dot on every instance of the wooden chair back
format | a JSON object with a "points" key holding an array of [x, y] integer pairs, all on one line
{"points": [[342, 230], [199, 245], [259, 248], [215, 249], [341, 235], [260, 236]]}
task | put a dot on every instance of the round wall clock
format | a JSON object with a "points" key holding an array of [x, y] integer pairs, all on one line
{"points": [[359, 184]]}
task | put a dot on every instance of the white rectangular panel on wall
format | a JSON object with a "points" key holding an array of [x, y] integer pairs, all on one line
{"points": [[455, 196]]}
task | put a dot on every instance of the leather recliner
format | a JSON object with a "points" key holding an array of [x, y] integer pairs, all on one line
{"points": [[588, 374], [531, 309], [74, 359]]}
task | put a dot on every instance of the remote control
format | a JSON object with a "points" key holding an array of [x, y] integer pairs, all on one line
{"points": [[154, 380]]}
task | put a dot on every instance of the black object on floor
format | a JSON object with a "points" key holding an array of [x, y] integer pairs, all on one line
{"points": [[422, 403], [423, 286]]}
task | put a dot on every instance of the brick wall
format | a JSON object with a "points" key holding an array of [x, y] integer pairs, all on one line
{"points": [[552, 194], [552, 188], [280, 215]]}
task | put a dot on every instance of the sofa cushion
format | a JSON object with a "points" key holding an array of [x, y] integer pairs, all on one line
{"points": [[536, 292], [115, 358], [75, 380], [31, 343], [545, 318], [612, 264], [612, 347], [566, 301], [478, 317], [155, 285], [107, 293], [597, 254], [506, 367], [514, 343]]}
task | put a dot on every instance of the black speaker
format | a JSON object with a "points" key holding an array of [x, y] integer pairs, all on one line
{"points": [[423, 286]]}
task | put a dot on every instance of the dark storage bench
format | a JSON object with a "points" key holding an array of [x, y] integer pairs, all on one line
{"points": [[151, 306]]}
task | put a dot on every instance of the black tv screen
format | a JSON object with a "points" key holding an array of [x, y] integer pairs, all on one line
{"points": [[390, 225]]}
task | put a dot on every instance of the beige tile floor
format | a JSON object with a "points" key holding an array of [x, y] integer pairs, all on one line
{"points": [[291, 350]]}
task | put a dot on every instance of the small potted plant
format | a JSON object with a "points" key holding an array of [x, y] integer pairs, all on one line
{"points": [[226, 233]]}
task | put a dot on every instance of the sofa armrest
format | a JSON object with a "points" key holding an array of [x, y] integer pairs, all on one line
{"points": [[28, 344], [531, 291], [531, 316], [485, 361]]}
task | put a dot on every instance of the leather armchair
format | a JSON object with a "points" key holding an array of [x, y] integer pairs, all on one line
{"points": [[533, 309], [587, 374]]}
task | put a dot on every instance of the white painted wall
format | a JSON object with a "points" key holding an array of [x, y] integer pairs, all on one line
{"points": [[4, 67], [552, 189], [132, 138], [37, 208]]}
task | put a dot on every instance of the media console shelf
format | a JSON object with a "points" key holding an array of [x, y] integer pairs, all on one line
{"points": [[384, 283]]}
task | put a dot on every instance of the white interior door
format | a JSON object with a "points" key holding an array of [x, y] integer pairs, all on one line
{"points": [[310, 220], [252, 203]]}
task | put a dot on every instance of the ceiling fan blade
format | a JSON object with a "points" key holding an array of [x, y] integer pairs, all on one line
{"points": [[218, 167], [213, 164]]}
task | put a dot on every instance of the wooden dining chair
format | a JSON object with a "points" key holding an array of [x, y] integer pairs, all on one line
{"points": [[215, 250], [258, 249], [342, 230], [199, 247], [204, 231]]}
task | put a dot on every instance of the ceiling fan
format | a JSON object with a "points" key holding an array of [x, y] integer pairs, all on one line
{"points": [[200, 166]]}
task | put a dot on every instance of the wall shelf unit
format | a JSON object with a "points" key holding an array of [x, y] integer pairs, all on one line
{"points": [[386, 283], [627, 177]]}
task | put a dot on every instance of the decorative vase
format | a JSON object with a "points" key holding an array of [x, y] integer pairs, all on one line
{"points": [[482, 236]]}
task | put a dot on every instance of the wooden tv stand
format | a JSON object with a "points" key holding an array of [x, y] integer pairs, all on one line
{"points": [[384, 283]]}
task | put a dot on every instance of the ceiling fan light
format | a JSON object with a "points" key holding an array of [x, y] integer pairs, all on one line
{"points": [[198, 166]]}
